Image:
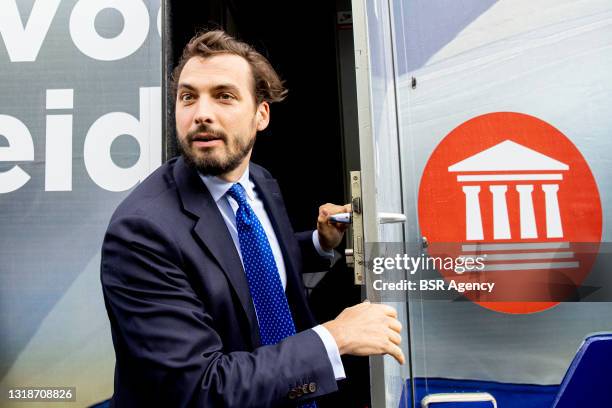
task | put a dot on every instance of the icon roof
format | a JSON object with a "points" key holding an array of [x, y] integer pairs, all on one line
{"points": [[508, 156]]}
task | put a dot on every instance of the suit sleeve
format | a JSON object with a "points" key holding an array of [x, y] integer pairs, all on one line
{"points": [[312, 261], [167, 342]]}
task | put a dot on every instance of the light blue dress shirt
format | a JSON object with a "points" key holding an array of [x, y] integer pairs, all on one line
{"points": [[228, 207]]}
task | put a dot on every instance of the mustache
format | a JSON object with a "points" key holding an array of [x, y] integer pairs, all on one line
{"points": [[204, 128]]}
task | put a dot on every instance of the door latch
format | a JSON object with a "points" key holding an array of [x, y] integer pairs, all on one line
{"points": [[357, 255]]}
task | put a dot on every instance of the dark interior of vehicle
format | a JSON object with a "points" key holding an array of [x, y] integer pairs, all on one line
{"points": [[303, 146]]}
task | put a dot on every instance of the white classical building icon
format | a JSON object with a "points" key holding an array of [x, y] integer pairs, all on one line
{"points": [[509, 161]]}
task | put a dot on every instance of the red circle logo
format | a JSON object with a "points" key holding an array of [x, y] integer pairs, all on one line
{"points": [[513, 191]]}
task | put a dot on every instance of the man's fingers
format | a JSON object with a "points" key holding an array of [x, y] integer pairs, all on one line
{"points": [[395, 325], [330, 209], [341, 226], [396, 352], [394, 337], [389, 311]]}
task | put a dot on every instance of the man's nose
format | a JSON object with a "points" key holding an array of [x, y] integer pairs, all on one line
{"points": [[205, 112]]}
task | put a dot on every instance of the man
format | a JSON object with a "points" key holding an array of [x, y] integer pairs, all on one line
{"points": [[201, 269]]}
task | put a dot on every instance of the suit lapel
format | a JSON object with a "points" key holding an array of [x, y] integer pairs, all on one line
{"points": [[214, 235], [273, 202]]}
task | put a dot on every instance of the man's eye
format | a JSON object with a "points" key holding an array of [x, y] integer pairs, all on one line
{"points": [[226, 96], [186, 97]]}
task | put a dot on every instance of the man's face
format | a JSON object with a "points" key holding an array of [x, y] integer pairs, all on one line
{"points": [[216, 114]]}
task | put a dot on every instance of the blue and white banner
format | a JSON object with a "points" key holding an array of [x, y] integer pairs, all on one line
{"points": [[80, 125]]}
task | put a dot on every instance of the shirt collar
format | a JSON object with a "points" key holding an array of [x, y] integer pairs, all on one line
{"points": [[219, 187]]}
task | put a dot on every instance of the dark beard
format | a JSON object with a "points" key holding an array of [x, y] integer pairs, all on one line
{"points": [[208, 165]]}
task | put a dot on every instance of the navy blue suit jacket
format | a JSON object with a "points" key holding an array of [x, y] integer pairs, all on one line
{"points": [[182, 318]]}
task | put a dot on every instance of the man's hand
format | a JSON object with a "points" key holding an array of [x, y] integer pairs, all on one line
{"points": [[367, 329], [331, 233]]}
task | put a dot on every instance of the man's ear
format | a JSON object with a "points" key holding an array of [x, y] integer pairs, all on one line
{"points": [[262, 116]]}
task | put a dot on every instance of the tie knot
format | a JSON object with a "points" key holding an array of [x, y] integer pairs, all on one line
{"points": [[237, 193]]}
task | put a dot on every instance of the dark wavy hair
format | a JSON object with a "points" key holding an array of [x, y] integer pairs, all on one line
{"points": [[267, 84]]}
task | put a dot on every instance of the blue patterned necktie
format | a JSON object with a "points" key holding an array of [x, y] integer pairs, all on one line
{"points": [[271, 306]]}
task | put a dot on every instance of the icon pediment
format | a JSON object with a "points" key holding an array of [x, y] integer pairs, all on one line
{"points": [[508, 156]]}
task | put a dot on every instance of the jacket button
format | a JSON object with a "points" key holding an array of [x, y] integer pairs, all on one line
{"points": [[292, 394], [312, 387], [305, 389], [298, 392]]}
